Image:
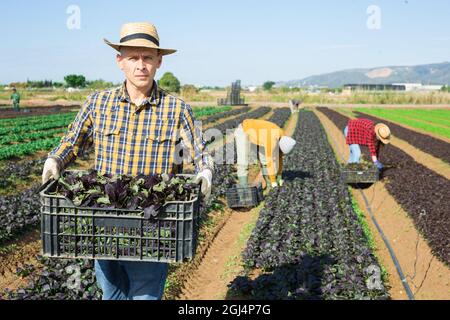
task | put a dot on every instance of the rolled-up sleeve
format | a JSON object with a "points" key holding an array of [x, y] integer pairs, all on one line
{"points": [[78, 136], [192, 137]]}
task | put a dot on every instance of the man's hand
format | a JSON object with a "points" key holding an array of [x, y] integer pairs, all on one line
{"points": [[379, 165], [205, 177], [51, 170]]}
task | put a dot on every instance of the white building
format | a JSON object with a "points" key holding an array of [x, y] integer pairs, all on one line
{"points": [[419, 87]]}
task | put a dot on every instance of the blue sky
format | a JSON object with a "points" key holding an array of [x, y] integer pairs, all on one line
{"points": [[221, 41]]}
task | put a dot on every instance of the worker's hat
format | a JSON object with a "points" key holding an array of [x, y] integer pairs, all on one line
{"points": [[383, 133], [139, 34], [287, 144]]}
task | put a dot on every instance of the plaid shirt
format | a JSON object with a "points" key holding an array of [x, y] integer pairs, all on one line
{"points": [[133, 140], [362, 131]]}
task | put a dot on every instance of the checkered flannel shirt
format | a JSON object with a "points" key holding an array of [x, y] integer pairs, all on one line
{"points": [[362, 131], [133, 140]]}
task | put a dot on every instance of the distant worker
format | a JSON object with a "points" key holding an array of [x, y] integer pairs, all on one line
{"points": [[364, 132], [272, 144], [15, 98], [294, 105]]}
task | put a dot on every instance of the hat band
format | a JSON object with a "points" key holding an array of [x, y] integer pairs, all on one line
{"points": [[140, 36]]}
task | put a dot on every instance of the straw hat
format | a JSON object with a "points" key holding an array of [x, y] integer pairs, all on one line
{"points": [[383, 133], [139, 34]]}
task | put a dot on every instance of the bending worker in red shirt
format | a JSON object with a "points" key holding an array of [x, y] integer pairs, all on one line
{"points": [[365, 132], [272, 144]]}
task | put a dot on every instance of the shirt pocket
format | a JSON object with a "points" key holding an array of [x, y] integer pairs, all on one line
{"points": [[106, 138], [108, 122]]}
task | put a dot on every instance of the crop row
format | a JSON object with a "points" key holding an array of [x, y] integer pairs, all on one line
{"points": [[35, 127], [18, 213], [200, 112], [29, 136], [234, 123], [308, 240], [280, 116], [421, 192], [22, 149], [230, 113], [11, 171]]}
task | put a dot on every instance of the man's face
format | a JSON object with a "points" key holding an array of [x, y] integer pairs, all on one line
{"points": [[139, 65]]}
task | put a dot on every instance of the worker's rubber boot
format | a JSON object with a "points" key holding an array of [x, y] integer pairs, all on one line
{"points": [[280, 181], [268, 182], [243, 189], [243, 182]]}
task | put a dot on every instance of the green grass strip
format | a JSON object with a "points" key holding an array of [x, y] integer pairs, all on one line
{"points": [[384, 114], [423, 115]]}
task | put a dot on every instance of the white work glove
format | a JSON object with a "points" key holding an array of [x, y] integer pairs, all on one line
{"points": [[274, 184], [205, 177], [51, 170]]}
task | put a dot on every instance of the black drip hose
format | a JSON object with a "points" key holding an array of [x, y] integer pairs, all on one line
{"points": [[391, 251]]}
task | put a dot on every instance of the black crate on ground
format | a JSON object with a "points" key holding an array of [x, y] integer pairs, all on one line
{"points": [[351, 176], [68, 231], [244, 197]]}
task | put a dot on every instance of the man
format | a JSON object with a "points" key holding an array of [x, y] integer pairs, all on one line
{"points": [[270, 140], [364, 132], [15, 98], [294, 105], [136, 128]]}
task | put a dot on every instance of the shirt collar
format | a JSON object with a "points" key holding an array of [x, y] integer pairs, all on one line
{"points": [[153, 100]]}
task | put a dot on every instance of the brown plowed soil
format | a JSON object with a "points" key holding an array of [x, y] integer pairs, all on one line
{"points": [[209, 281], [22, 252], [427, 277]]}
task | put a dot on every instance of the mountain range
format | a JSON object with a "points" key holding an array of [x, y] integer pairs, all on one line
{"points": [[437, 73]]}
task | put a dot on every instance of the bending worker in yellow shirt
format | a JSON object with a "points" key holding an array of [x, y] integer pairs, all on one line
{"points": [[271, 143]]}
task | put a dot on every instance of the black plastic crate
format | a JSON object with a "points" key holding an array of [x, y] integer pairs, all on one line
{"points": [[351, 176], [68, 231], [244, 197]]}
